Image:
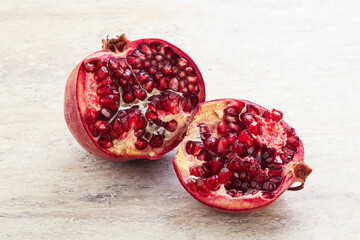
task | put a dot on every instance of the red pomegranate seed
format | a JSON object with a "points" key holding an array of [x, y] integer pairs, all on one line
{"points": [[93, 131], [245, 186], [223, 146], [116, 126], [254, 170], [267, 195], [203, 128], [254, 128], [148, 86], [193, 89], [230, 111], [266, 115], [183, 63], [224, 175], [276, 180], [223, 129], [212, 183], [202, 189], [113, 63], [91, 116], [140, 123], [171, 126], [140, 94], [128, 97], [183, 86], [239, 148], [101, 74], [210, 143], [150, 115], [275, 172], [294, 141], [192, 184], [197, 171], [289, 131], [252, 109], [217, 164], [90, 67], [192, 79], [238, 105], [156, 141], [276, 115], [105, 143], [247, 119], [231, 137], [101, 126], [245, 137], [141, 144], [244, 177], [255, 185], [288, 151], [204, 156], [174, 84], [269, 186], [190, 147]]}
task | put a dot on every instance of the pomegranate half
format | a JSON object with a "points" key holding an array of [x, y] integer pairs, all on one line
{"points": [[238, 156], [132, 99]]}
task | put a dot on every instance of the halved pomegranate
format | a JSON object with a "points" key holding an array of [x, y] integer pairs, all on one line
{"points": [[238, 156], [132, 99]]}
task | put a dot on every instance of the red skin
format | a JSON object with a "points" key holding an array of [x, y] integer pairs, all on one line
{"points": [[74, 107], [294, 171]]}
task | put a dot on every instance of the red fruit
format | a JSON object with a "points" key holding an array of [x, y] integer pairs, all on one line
{"points": [[112, 108], [250, 172]]}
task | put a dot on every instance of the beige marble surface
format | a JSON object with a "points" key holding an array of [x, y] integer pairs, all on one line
{"points": [[302, 57]]}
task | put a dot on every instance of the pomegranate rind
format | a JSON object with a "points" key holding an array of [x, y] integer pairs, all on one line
{"points": [[75, 107], [211, 112]]}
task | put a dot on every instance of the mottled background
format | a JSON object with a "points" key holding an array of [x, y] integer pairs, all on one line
{"points": [[302, 57]]}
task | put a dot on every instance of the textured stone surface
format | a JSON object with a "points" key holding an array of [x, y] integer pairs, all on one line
{"points": [[302, 57]]}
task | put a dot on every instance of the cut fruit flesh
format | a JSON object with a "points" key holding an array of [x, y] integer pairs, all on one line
{"points": [[246, 167]]}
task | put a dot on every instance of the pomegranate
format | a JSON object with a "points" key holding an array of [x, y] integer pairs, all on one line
{"points": [[238, 156], [132, 99]]}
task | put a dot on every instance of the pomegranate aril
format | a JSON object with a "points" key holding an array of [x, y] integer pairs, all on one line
{"points": [[141, 144], [231, 111], [234, 165], [133, 61], [245, 186], [101, 126], [252, 109], [193, 89], [192, 184], [239, 148], [93, 131], [294, 141], [224, 175], [254, 128], [223, 146], [194, 100], [149, 86], [255, 185], [210, 143], [267, 195], [266, 115], [140, 123], [212, 183], [203, 128], [231, 138], [202, 189], [269, 186], [174, 84], [244, 177], [204, 156], [91, 116], [166, 70], [105, 143], [276, 115], [128, 97], [247, 119], [223, 129], [289, 131], [183, 86], [216, 165], [245, 137], [275, 172], [276, 180], [171, 126], [197, 171], [245, 165], [183, 63], [113, 63], [254, 170], [140, 94], [145, 48], [106, 113], [90, 67], [156, 141], [238, 106], [101, 74]]}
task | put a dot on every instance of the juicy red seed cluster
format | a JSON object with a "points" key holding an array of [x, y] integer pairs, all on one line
{"points": [[236, 159], [131, 80]]}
